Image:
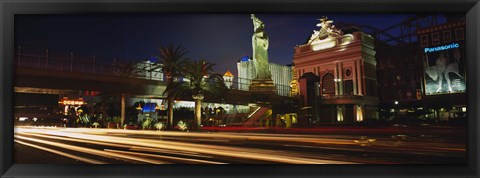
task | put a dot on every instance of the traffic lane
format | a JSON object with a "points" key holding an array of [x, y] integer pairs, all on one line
{"points": [[103, 151], [395, 144], [24, 154], [346, 153], [397, 141], [230, 154]]}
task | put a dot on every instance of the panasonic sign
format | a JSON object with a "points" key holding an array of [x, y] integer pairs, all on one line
{"points": [[441, 48]]}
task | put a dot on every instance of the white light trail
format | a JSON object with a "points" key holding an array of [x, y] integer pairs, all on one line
{"points": [[91, 151], [91, 161]]}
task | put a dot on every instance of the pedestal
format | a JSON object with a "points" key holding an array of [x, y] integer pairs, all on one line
{"points": [[262, 86]]}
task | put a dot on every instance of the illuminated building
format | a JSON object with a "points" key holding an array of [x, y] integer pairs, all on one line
{"points": [[150, 70], [246, 72], [228, 78], [293, 83], [68, 103], [443, 52], [442, 47], [281, 75], [410, 83], [338, 81]]}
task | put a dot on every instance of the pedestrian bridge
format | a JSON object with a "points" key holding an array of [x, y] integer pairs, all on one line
{"points": [[35, 80]]}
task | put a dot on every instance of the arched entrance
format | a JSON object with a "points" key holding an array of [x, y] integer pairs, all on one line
{"points": [[328, 85]]}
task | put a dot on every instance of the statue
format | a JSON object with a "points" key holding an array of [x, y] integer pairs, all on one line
{"points": [[326, 29], [262, 83], [260, 49]]}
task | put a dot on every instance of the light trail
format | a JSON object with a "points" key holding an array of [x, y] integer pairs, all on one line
{"points": [[90, 151], [175, 152], [265, 138], [86, 160], [166, 147], [225, 151], [75, 140], [166, 157], [132, 148]]}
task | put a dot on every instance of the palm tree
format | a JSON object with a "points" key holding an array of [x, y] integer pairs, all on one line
{"points": [[171, 60], [126, 69], [106, 103], [202, 82]]}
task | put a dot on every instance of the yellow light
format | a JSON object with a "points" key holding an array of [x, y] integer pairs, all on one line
{"points": [[324, 44], [359, 114], [72, 102], [339, 114], [347, 39]]}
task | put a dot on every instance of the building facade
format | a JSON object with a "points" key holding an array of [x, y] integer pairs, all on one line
{"points": [[424, 80], [338, 81], [293, 83], [150, 70], [442, 50], [281, 76], [400, 78], [246, 72]]}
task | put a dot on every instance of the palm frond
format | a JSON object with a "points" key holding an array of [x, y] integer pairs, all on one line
{"points": [[203, 80], [172, 60], [128, 69]]}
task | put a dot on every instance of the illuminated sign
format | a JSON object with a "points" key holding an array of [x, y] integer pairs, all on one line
{"points": [[441, 48], [444, 70], [66, 101]]}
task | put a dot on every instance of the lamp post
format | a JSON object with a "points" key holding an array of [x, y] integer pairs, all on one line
{"points": [[162, 108], [396, 109]]}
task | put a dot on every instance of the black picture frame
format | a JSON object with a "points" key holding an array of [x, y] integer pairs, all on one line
{"points": [[8, 9]]}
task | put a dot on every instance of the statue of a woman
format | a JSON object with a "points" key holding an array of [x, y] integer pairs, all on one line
{"points": [[260, 49]]}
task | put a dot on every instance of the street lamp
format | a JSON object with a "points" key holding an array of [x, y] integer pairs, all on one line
{"points": [[162, 108], [396, 108]]}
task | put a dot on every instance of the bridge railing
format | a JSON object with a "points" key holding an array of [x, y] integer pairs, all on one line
{"points": [[243, 84], [331, 97], [60, 64], [72, 65]]}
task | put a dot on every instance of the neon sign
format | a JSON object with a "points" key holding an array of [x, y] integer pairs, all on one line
{"points": [[66, 101], [441, 48]]}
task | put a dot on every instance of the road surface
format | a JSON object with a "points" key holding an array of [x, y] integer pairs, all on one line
{"points": [[36, 145]]}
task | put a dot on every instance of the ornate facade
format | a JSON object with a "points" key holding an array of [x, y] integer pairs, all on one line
{"points": [[337, 76]]}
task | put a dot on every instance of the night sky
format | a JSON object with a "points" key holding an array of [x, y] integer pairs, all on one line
{"points": [[219, 38]]}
